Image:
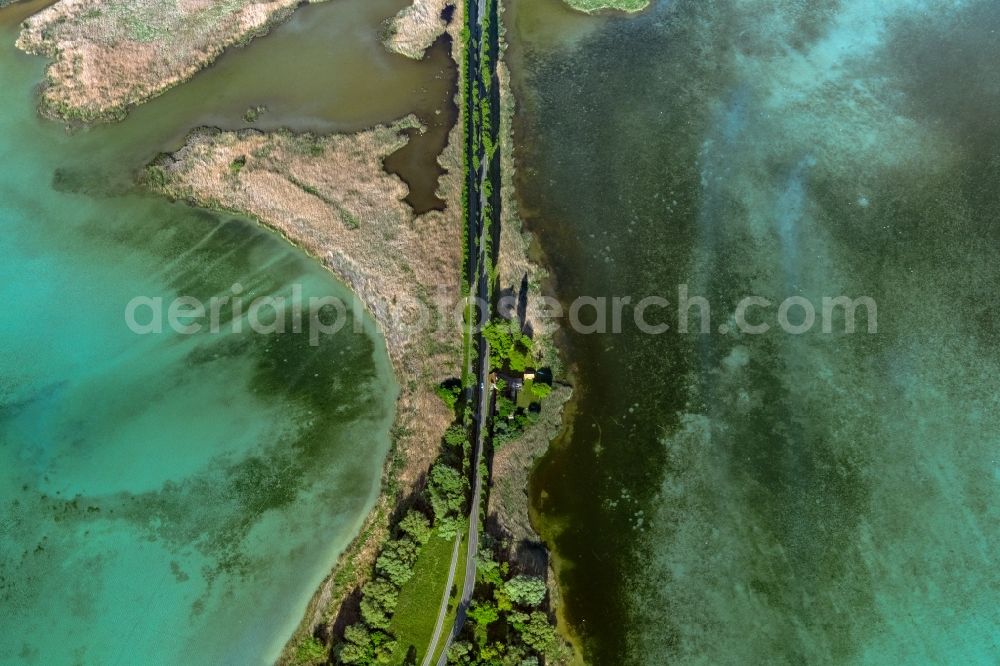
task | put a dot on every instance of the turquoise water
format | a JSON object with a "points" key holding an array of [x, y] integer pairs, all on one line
{"points": [[775, 499], [166, 498]]}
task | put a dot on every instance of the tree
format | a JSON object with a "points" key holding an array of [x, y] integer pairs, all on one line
{"points": [[397, 559], [484, 613], [488, 569], [374, 615], [459, 653], [535, 630], [383, 592], [526, 590], [416, 526], [456, 436], [449, 526], [447, 489], [355, 654], [508, 343], [498, 335], [493, 653], [363, 647], [383, 647], [378, 603], [357, 648]]}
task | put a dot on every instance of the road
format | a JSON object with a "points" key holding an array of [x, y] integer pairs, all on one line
{"points": [[478, 228]]}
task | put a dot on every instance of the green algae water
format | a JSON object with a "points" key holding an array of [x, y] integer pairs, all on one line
{"points": [[172, 498], [776, 498]]}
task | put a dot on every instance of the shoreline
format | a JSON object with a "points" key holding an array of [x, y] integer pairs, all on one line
{"points": [[410, 452], [415, 444], [357, 257], [95, 75], [534, 259]]}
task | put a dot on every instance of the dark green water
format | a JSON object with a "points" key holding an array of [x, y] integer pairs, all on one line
{"points": [[172, 498], [746, 499]]}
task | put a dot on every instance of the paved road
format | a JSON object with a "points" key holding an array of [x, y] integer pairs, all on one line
{"points": [[477, 234], [483, 405], [472, 550]]}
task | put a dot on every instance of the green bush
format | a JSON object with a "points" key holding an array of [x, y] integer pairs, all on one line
{"points": [[310, 651], [456, 435], [541, 391], [237, 165], [449, 394]]}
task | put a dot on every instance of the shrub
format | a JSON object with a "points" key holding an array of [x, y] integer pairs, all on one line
{"points": [[449, 394], [456, 435], [541, 391], [310, 651], [237, 165], [253, 113]]}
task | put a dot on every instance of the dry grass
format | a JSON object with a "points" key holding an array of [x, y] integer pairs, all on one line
{"points": [[331, 196], [414, 29], [109, 55]]}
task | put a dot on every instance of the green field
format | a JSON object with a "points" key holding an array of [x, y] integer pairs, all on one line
{"points": [[420, 599]]}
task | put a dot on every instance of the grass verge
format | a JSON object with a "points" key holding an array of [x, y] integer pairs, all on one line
{"points": [[454, 594], [419, 600]]}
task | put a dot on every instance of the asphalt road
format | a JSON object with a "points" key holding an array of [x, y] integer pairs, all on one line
{"points": [[477, 234]]}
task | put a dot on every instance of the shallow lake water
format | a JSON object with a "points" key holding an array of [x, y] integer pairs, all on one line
{"points": [[178, 498], [775, 498]]}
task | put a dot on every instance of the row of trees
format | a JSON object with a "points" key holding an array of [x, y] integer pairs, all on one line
{"points": [[369, 641]]}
